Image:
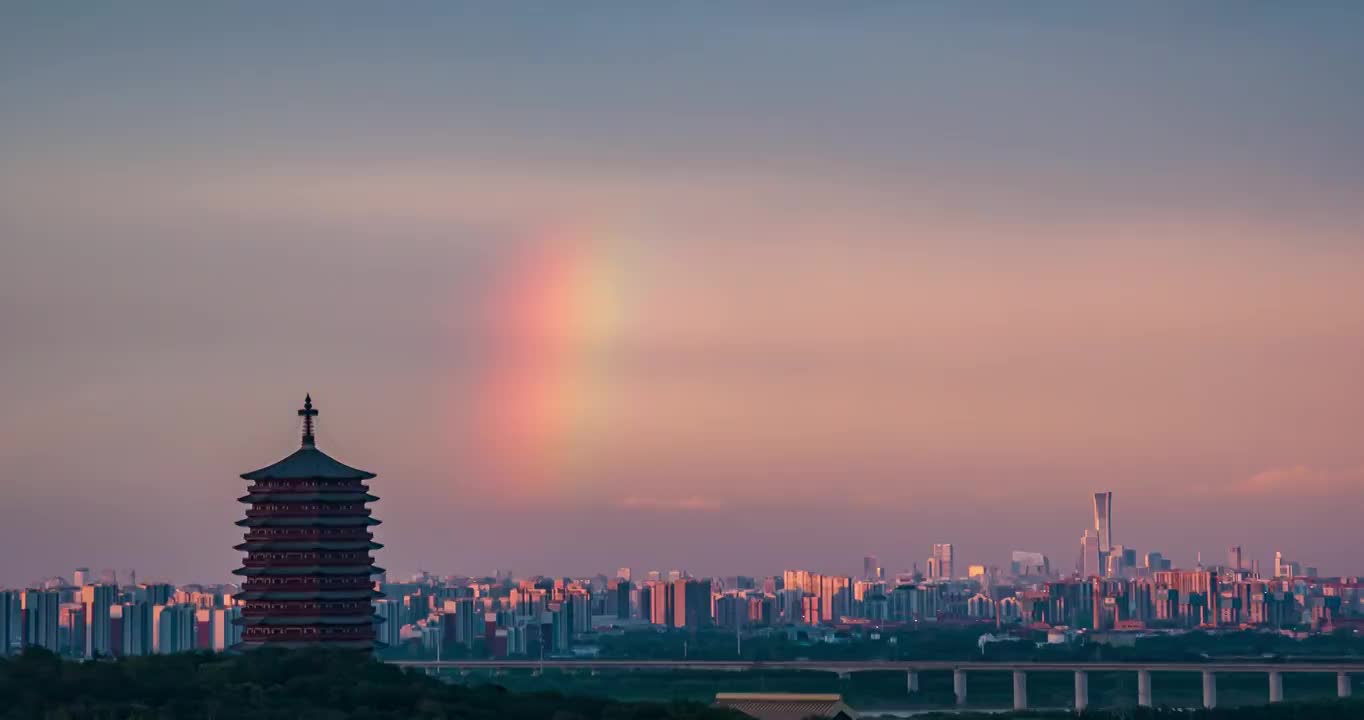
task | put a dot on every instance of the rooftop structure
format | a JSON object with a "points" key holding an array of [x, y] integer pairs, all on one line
{"points": [[787, 706]]}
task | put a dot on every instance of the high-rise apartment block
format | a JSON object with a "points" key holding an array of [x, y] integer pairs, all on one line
{"points": [[172, 628], [42, 618], [11, 615]]}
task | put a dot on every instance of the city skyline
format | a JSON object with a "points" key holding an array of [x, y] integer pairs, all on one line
{"points": [[674, 288], [940, 564]]}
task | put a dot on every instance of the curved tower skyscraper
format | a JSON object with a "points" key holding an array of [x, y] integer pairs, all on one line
{"points": [[1103, 520]]}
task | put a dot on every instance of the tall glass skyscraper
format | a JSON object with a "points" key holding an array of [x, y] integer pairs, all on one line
{"points": [[1103, 520]]}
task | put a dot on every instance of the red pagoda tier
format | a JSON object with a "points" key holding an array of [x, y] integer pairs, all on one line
{"points": [[308, 542]]}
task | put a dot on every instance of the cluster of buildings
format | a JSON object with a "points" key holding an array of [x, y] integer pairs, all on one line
{"points": [[557, 616], [308, 577], [543, 616], [1111, 589], [85, 619]]}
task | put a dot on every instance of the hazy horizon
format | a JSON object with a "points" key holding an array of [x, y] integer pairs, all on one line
{"points": [[722, 288]]}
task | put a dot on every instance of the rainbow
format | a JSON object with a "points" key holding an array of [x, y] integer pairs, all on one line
{"points": [[555, 309]]}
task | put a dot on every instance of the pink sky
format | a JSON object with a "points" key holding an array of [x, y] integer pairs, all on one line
{"points": [[728, 311]]}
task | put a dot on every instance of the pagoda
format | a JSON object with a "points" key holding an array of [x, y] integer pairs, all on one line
{"points": [[308, 542]]}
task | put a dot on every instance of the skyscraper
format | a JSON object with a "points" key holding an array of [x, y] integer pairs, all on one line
{"points": [[390, 629], [1091, 558], [42, 610], [1234, 557], [1156, 562], [942, 561], [71, 629], [172, 628], [137, 634], [618, 598], [308, 542], [690, 603], [225, 630], [1103, 520], [10, 629], [871, 568], [98, 601], [1284, 568]]}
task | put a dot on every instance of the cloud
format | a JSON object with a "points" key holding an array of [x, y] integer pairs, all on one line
{"points": [[1301, 480], [686, 504]]}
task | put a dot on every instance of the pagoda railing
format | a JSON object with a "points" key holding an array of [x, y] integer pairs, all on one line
{"points": [[359, 532], [300, 634], [307, 486], [297, 510], [315, 584]]}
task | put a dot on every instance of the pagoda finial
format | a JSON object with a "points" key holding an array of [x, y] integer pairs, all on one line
{"points": [[308, 413]]}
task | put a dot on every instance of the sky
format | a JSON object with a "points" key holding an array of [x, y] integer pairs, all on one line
{"points": [[721, 287]]}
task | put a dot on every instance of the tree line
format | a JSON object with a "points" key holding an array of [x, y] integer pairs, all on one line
{"points": [[302, 684]]}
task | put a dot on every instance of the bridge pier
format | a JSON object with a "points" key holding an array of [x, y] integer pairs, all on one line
{"points": [[1209, 689], [1343, 684], [959, 685], [1144, 688], [1081, 690], [1020, 690], [912, 682], [1275, 686]]}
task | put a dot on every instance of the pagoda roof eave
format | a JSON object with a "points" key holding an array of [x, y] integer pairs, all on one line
{"points": [[336, 521], [308, 463], [304, 545], [309, 570]]}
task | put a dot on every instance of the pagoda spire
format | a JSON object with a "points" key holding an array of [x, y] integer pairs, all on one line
{"points": [[308, 413]]}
